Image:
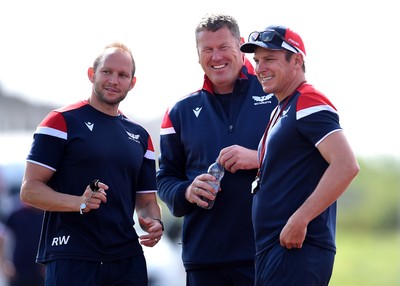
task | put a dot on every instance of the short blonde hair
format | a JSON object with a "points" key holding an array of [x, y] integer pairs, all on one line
{"points": [[117, 45]]}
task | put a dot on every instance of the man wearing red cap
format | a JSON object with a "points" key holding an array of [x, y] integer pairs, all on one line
{"points": [[306, 163]]}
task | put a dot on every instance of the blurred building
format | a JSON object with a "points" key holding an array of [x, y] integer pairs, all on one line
{"points": [[17, 114]]}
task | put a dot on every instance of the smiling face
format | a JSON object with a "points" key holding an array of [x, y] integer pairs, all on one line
{"points": [[220, 57], [278, 73], [113, 78]]}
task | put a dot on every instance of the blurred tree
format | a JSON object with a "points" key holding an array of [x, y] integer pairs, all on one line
{"points": [[373, 199]]}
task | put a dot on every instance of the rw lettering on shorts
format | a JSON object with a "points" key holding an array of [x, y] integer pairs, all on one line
{"points": [[60, 240]]}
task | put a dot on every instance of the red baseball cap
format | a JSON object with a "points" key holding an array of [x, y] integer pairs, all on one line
{"points": [[275, 38]]}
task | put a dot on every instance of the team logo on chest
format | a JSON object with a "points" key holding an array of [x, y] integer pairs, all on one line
{"points": [[133, 137], [89, 125], [197, 110], [262, 99], [284, 113]]}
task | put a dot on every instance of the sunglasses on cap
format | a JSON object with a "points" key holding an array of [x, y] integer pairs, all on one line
{"points": [[273, 37]]}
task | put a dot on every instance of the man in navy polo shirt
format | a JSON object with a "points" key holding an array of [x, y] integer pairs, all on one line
{"points": [[306, 163], [90, 168]]}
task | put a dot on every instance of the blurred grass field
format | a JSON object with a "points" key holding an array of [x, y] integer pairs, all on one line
{"points": [[367, 259]]}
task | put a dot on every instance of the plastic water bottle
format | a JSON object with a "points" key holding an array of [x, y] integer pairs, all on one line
{"points": [[218, 171]]}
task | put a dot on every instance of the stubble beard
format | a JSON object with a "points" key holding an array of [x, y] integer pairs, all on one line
{"points": [[102, 98]]}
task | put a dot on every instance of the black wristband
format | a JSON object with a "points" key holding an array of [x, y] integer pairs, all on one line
{"points": [[160, 221]]}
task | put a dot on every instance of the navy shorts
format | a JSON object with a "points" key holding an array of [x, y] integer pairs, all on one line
{"points": [[240, 275], [125, 272], [307, 266]]}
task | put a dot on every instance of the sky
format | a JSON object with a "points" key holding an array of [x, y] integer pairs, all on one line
{"points": [[352, 54]]}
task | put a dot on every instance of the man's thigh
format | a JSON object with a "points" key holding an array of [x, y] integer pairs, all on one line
{"points": [[309, 266]]}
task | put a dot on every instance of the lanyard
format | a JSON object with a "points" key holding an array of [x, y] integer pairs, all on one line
{"points": [[271, 124], [255, 186]]}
